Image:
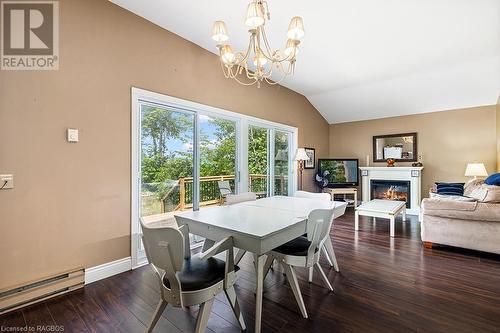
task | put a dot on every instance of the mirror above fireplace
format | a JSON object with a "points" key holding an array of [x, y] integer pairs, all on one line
{"points": [[400, 147]]}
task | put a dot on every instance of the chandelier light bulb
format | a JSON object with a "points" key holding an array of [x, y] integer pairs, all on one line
{"points": [[227, 54], [296, 28], [259, 60], [255, 15], [291, 48], [219, 32]]}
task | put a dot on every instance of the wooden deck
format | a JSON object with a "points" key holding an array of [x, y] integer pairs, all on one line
{"points": [[385, 285]]}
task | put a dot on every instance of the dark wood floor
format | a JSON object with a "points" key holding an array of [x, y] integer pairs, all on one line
{"points": [[385, 285]]}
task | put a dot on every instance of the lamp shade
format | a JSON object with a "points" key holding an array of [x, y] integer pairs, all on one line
{"points": [[476, 170], [296, 28], [255, 15], [219, 32], [301, 155]]}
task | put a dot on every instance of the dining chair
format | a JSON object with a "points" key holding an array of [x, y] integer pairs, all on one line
{"points": [[224, 190], [303, 252], [327, 246], [187, 280], [232, 199]]}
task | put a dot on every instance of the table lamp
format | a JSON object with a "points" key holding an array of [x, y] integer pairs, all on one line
{"points": [[301, 156], [476, 170]]}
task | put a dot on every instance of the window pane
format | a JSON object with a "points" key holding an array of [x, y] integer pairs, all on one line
{"points": [[281, 167], [217, 159], [257, 160], [166, 160]]}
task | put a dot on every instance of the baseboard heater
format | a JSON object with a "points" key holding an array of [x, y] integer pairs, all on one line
{"points": [[19, 296]]}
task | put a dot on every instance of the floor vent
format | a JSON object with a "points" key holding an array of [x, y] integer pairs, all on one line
{"points": [[19, 296]]}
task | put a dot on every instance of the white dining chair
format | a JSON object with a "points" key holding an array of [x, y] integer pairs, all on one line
{"points": [[327, 246], [303, 252], [187, 280], [234, 199]]}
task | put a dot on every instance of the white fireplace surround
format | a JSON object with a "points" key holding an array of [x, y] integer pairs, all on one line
{"points": [[411, 174]]}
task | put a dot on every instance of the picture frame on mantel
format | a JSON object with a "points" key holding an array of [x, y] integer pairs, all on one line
{"points": [[311, 163]]}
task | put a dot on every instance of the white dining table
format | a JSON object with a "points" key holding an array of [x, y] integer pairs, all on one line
{"points": [[258, 227]]}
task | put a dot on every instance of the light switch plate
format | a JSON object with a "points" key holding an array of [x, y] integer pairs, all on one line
{"points": [[72, 135], [6, 182]]}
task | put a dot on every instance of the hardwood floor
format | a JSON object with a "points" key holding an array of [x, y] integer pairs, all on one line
{"points": [[385, 285]]}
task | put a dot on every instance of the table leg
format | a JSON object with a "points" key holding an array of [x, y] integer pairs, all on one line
{"points": [[404, 214], [392, 218], [356, 220], [355, 200], [259, 265]]}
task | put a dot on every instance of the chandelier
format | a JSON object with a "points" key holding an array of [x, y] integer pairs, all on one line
{"points": [[259, 53]]}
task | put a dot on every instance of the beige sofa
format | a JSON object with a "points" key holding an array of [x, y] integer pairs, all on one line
{"points": [[471, 225]]}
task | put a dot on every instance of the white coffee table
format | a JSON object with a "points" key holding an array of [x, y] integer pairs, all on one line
{"points": [[387, 209]]}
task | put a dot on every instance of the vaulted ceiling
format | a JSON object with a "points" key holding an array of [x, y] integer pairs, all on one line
{"points": [[364, 59]]}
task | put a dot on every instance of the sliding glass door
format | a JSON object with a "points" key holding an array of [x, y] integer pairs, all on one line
{"points": [[187, 156], [167, 160]]}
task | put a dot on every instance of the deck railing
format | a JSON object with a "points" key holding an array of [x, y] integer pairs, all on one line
{"points": [[179, 196]]}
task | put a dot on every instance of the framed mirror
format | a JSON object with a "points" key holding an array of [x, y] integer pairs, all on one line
{"points": [[400, 147]]}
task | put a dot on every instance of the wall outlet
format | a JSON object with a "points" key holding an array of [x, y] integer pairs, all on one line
{"points": [[6, 182]]}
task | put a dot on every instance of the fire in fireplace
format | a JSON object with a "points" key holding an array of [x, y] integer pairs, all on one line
{"points": [[391, 190]]}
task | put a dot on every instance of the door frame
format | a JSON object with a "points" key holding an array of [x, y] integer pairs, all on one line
{"points": [[242, 123]]}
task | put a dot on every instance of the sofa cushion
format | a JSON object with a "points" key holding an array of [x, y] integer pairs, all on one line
{"points": [[450, 188], [477, 211], [451, 197], [486, 193], [493, 179]]}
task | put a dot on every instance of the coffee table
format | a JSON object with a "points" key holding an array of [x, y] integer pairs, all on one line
{"points": [[387, 209]]}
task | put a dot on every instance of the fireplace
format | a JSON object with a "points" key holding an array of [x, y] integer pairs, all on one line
{"points": [[391, 190]]}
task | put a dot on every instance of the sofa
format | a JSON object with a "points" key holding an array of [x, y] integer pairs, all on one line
{"points": [[471, 222]]}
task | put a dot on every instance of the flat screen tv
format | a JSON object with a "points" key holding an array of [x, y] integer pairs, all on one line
{"points": [[342, 172]]}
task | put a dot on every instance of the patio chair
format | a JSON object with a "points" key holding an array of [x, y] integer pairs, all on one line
{"points": [[224, 190]]}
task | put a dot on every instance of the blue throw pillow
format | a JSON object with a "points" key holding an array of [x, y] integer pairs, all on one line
{"points": [[450, 188], [493, 179]]}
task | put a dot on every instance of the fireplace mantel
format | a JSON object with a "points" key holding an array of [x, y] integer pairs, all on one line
{"points": [[411, 174]]}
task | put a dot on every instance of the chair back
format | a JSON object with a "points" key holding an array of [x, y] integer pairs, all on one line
{"points": [[310, 195], [224, 187], [319, 223], [164, 246], [236, 198]]}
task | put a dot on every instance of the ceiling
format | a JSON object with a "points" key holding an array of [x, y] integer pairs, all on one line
{"points": [[364, 59]]}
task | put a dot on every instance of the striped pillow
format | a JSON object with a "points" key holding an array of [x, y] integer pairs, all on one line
{"points": [[450, 188]]}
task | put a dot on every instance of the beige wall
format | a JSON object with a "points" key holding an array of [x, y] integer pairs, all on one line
{"points": [[498, 134], [447, 140], [71, 202]]}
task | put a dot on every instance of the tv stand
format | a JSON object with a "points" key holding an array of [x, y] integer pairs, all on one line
{"points": [[344, 191]]}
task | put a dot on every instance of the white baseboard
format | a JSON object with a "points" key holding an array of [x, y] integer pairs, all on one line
{"points": [[108, 269]]}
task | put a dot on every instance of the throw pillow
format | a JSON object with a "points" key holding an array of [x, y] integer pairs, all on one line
{"points": [[450, 188], [493, 179], [486, 193]]}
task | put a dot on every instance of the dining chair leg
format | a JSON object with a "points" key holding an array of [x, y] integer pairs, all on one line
{"points": [[331, 254], [310, 279], [203, 314], [158, 312], [268, 264], [231, 296], [323, 276], [325, 253], [239, 256], [294, 283]]}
